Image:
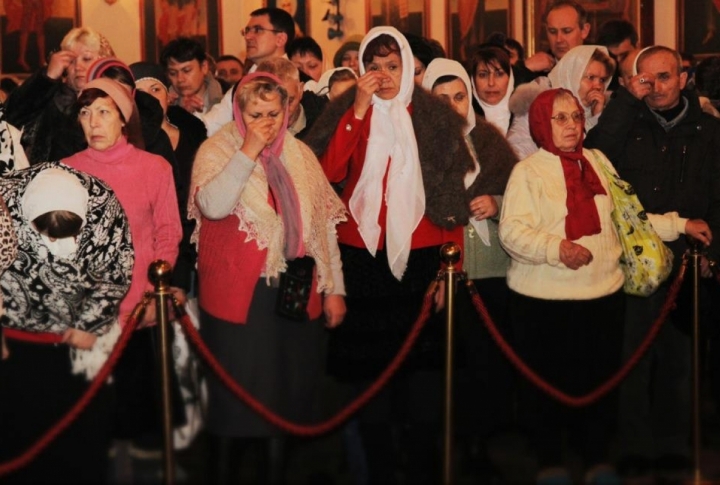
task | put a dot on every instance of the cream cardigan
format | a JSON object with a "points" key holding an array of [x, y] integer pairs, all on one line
{"points": [[532, 225]]}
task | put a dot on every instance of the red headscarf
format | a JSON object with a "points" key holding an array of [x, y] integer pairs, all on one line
{"points": [[279, 180], [581, 181]]}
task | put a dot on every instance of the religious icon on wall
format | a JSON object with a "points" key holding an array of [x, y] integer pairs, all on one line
{"points": [[31, 29]]}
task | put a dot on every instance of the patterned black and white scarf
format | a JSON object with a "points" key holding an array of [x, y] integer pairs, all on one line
{"points": [[7, 152]]}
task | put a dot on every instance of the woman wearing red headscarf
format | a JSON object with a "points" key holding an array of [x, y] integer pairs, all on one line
{"points": [[265, 215], [566, 303]]}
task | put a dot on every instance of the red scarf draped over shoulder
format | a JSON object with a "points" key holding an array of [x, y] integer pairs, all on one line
{"points": [[581, 181]]}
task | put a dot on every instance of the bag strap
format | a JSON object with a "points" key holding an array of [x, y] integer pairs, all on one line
{"points": [[606, 170]]}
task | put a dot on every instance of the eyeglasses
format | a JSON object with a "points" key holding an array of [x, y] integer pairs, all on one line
{"points": [[562, 119], [257, 30], [592, 78]]}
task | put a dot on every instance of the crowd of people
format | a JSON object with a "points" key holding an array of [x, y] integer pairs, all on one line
{"points": [[304, 209]]}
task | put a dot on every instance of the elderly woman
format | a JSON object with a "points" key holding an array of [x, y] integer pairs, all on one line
{"points": [[144, 184], [493, 83], [61, 297], [42, 106], [586, 71], [402, 156], [267, 253], [566, 303], [489, 396]]}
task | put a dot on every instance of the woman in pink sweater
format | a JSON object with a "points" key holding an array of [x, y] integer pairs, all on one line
{"points": [[144, 185]]}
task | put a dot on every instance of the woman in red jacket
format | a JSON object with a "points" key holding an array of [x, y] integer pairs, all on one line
{"points": [[401, 157]]}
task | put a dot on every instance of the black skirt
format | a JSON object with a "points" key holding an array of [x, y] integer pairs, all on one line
{"points": [[278, 361], [380, 313]]}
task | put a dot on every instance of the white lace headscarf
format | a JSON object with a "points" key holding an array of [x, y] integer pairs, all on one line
{"points": [[569, 71], [391, 137]]}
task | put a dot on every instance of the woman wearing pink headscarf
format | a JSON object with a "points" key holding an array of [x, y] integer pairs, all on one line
{"points": [[566, 300], [268, 266]]}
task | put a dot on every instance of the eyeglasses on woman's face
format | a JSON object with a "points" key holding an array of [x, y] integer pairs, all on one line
{"points": [[257, 30], [563, 118]]}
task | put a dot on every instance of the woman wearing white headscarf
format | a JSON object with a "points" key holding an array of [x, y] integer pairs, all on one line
{"points": [[402, 156], [493, 83], [489, 393], [585, 71]]}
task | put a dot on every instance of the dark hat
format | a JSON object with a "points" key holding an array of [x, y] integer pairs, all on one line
{"points": [[144, 70], [352, 44]]}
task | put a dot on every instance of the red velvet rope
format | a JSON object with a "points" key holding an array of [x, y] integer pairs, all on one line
{"points": [[34, 450], [591, 397], [342, 415]]}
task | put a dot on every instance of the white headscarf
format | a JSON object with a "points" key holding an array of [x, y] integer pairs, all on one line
{"points": [[445, 67], [321, 87], [498, 114], [55, 189], [568, 73], [635, 62], [391, 136], [440, 67]]}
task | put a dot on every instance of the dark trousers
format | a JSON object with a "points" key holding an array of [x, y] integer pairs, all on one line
{"points": [[575, 345]]}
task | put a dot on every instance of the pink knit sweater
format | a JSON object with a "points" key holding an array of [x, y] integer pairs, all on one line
{"points": [[144, 185]]}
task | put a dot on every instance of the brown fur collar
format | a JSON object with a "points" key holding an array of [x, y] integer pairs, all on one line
{"points": [[444, 157], [496, 159]]}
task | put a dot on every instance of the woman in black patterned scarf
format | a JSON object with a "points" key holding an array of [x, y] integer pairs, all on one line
{"points": [[61, 297]]}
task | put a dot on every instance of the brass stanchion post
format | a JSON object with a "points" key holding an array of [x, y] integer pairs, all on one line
{"points": [[696, 433], [160, 273], [450, 254]]}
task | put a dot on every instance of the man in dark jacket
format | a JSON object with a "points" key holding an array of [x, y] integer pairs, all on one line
{"points": [[661, 142]]}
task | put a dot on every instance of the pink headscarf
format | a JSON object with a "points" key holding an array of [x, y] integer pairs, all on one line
{"points": [[581, 181], [279, 180]]}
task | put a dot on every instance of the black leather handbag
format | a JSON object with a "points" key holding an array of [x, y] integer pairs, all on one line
{"points": [[294, 290]]}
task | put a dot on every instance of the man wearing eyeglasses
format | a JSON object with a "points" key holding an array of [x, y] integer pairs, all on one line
{"points": [[660, 141], [266, 35]]}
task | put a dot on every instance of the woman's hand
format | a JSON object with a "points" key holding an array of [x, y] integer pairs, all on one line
{"points": [[260, 133], [699, 229], [334, 309], [150, 315], [5, 352], [79, 339], [483, 207], [574, 255], [59, 62], [192, 103], [596, 100], [367, 85]]}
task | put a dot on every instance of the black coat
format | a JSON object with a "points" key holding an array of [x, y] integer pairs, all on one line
{"points": [[677, 170], [45, 109]]}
